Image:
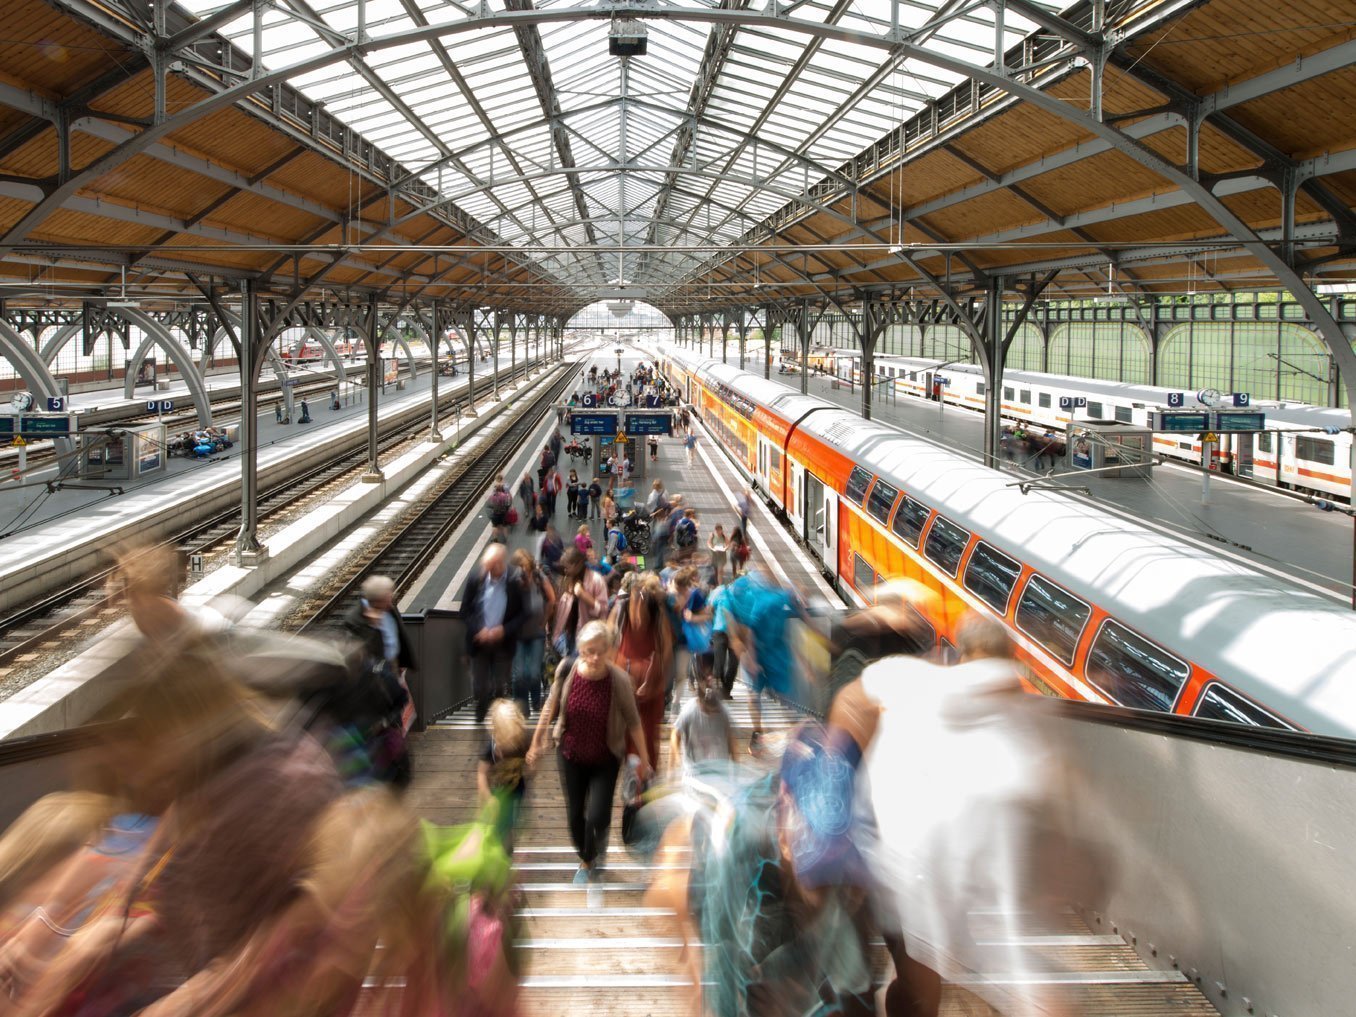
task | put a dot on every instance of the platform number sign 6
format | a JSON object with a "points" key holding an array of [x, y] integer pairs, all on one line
{"points": [[1242, 399]]}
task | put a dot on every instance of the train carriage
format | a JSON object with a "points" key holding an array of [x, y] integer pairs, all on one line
{"points": [[1310, 446], [1101, 609]]}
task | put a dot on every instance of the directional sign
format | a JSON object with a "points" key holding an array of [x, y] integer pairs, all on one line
{"points": [[1179, 421], [593, 423], [55, 404], [649, 423]]}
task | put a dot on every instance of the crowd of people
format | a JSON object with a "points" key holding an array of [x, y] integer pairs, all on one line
{"points": [[245, 847]]}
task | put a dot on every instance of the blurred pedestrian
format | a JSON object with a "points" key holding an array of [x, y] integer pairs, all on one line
{"points": [[739, 552], [759, 613], [492, 609], [501, 773], [595, 499], [572, 494], [539, 602], [703, 733], [645, 651], [379, 705], [527, 492], [718, 545], [583, 598]]}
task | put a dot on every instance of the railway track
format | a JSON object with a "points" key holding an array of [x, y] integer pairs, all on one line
{"points": [[405, 549], [26, 635]]}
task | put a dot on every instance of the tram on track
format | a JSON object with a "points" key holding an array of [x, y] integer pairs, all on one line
{"points": [[1102, 609]]}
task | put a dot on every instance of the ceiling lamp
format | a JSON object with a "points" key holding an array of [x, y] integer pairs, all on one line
{"points": [[627, 38], [620, 308]]}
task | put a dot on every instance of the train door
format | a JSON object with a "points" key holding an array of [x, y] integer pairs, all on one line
{"points": [[927, 384], [1243, 462], [819, 522]]}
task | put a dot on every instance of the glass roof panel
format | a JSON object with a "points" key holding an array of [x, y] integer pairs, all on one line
{"points": [[784, 109]]}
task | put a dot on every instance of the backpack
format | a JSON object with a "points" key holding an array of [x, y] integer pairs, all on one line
{"points": [[621, 539], [686, 535]]}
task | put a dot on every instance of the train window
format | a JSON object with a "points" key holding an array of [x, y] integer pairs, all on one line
{"points": [[881, 500], [863, 577], [1264, 442], [1219, 702], [1024, 397], [1094, 411], [981, 388], [1052, 617], [1133, 671], [945, 544], [1124, 414], [909, 520], [1043, 399], [858, 481], [991, 575], [1315, 450], [1009, 392], [1188, 446]]}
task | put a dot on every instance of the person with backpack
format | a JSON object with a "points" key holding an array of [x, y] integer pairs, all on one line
{"points": [[685, 532], [499, 505], [552, 489], [616, 541], [527, 492], [595, 501]]}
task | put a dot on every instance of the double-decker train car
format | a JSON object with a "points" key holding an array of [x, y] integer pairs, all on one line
{"points": [[1305, 448], [1101, 609]]}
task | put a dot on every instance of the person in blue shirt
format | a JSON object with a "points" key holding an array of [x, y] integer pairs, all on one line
{"points": [[760, 611], [724, 659]]}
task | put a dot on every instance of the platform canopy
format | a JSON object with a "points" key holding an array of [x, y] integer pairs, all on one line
{"points": [[500, 152]]}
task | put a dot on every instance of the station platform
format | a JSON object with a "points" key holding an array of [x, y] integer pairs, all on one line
{"points": [[1265, 529], [709, 484]]}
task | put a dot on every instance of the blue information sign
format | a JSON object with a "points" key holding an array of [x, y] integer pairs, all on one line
{"points": [[1180, 420], [1251, 421], [45, 425], [649, 423], [593, 423]]}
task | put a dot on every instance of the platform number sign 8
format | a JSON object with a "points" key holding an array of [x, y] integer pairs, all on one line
{"points": [[1176, 400]]}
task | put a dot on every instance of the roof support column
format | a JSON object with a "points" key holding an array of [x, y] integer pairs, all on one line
{"points": [[373, 474], [248, 550], [992, 354], [875, 320], [803, 330], [496, 320], [435, 339], [742, 324], [465, 319]]}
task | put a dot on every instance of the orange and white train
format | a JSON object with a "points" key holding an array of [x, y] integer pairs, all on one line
{"points": [[1102, 610]]}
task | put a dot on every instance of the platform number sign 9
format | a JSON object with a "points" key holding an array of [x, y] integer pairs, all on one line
{"points": [[1242, 399]]}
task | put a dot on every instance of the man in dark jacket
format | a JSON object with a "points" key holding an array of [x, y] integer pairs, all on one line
{"points": [[492, 610], [373, 701]]}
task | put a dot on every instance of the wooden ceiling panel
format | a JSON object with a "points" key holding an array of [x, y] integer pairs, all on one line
{"points": [[255, 214], [12, 210], [69, 227], [254, 261], [1226, 41], [54, 54], [1181, 223], [319, 179], [38, 158], [1220, 154], [1121, 93], [1307, 120], [1021, 135], [935, 174], [1092, 183], [233, 138], [158, 186], [1343, 185], [984, 214]]}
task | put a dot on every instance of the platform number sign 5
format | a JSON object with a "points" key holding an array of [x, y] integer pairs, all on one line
{"points": [[56, 404], [1176, 400], [1242, 399]]}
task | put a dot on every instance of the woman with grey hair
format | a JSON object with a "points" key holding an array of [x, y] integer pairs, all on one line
{"points": [[588, 716]]}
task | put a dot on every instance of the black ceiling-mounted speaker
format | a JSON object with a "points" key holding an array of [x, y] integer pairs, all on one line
{"points": [[627, 39]]}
